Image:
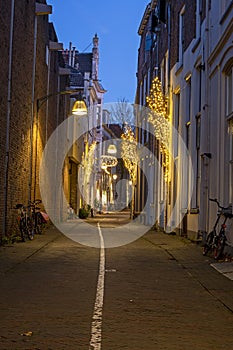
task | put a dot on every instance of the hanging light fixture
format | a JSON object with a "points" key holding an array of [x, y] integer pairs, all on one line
{"points": [[79, 107], [108, 161], [112, 149]]}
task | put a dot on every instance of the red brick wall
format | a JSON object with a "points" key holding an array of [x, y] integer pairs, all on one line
{"points": [[21, 97]]}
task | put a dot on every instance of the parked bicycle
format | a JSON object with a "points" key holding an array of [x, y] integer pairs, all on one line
{"points": [[215, 241], [36, 217], [24, 222]]}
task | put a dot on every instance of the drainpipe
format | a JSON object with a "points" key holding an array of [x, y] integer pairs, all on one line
{"points": [[207, 112], [6, 167], [53, 46], [168, 229]]}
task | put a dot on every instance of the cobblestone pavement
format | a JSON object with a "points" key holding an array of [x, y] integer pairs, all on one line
{"points": [[160, 293]]}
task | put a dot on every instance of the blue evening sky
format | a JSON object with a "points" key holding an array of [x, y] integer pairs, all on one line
{"points": [[116, 23]]}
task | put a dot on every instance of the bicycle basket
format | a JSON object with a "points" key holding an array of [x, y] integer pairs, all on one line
{"points": [[228, 212], [44, 217]]}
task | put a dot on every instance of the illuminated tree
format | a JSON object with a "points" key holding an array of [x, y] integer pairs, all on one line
{"points": [[130, 158], [88, 164], [129, 152], [158, 117]]}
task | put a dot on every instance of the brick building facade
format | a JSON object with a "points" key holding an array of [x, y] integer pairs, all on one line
{"points": [[29, 70]]}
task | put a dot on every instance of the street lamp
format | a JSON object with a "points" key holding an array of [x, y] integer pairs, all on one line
{"points": [[79, 108]]}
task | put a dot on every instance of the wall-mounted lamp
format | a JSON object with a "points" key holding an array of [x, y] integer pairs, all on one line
{"points": [[208, 155], [79, 108]]}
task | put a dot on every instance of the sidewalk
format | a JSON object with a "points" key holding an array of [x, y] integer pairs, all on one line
{"points": [[225, 268], [14, 254]]}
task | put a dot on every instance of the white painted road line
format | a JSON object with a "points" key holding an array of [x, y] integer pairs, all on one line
{"points": [[96, 328]]}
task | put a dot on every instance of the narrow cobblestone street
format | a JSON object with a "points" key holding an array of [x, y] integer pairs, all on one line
{"points": [[160, 293]]}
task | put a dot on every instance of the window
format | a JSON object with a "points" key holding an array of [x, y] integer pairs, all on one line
{"points": [[198, 18], [229, 91], [197, 105], [144, 90], [47, 55], [140, 94], [229, 117], [148, 82], [231, 162], [162, 73], [225, 4], [181, 35], [176, 123], [176, 119], [198, 138], [188, 99], [166, 75]]}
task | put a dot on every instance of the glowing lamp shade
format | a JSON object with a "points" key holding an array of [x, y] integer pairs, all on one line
{"points": [[114, 176], [112, 149], [79, 108]]}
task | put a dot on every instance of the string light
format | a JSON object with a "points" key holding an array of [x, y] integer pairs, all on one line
{"points": [[160, 120], [108, 161], [88, 163], [129, 152]]}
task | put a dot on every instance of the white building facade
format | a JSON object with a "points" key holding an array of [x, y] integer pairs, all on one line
{"points": [[196, 74]]}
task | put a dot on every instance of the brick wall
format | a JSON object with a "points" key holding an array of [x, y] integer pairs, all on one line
{"points": [[21, 97], [4, 40]]}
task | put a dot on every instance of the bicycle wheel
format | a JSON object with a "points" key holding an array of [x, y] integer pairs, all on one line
{"points": [[219, 246], [30, 229], [38, 223], [208, 243], [22, 229]]}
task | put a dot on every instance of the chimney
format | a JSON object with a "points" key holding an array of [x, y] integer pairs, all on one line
{"points": [[70, 54], [73, 57]]}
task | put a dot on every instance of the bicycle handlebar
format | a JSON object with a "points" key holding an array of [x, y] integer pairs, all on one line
{"points": [[36, 201], [217, 202]]}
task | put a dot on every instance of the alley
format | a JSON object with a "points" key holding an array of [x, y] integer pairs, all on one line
{"points": [[159, 293]]}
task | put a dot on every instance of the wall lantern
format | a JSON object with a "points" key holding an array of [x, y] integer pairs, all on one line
{"points": [[79, 108]]}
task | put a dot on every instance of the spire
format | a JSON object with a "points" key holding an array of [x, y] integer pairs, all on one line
{"points": [[95, 57], [95, 41]]}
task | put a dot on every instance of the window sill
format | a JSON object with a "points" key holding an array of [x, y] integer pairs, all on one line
{"points": [[179, 69], [196, 44], [194, 211]]}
